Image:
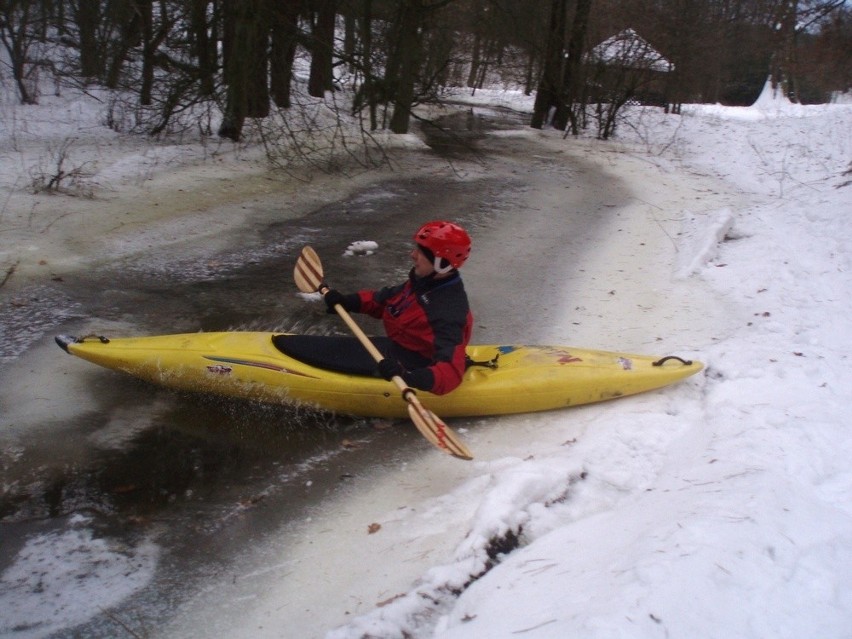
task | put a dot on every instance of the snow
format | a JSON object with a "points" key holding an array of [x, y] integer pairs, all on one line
{"points": [[74, 568], [720, 507], [361, 247]]}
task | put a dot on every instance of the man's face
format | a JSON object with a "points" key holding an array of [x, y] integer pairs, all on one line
{"points": [[422, 265]]}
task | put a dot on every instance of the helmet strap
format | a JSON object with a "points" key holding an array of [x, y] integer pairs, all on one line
{"points": [[440, 269]]}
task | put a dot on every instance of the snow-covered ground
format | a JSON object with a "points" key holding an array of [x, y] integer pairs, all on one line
{"points": [[723, 507], [720, 507]]}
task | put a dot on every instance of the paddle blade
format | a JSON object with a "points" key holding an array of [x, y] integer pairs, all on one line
{"points": [[437, 432], [308, 271]]}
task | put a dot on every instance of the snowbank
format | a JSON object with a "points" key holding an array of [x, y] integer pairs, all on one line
{"points": [[717, 510]]}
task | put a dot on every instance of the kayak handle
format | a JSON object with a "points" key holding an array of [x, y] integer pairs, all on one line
{"points": [[660, 362]]}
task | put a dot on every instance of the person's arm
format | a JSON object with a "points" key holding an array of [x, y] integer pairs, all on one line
{"points": [[452, 324], [373, 303], [445, 373]]}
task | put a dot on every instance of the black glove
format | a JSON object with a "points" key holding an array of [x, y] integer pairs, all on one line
{"points": [[389, 368], [332, 298], [419, 378]]}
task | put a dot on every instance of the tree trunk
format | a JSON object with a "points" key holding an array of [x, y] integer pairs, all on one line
{"points": [[148, 49], [130, 37], [15, 36], [257, 57], [246, 63], [782, 69], [321, 78], [87, 18], [368, 91], [529, 78], [203, 47], [408, 47], [349, 41], [550, 85], [285, 33], [572, 81]]}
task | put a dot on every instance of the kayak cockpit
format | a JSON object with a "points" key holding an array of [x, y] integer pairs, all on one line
{"points": [[345, 354], [342, 354]]}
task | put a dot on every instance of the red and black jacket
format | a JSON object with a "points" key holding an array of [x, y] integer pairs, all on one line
{"points": [[429, 323]]}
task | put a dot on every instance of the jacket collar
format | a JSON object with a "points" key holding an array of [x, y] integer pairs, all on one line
{"points": [[431, 282]]}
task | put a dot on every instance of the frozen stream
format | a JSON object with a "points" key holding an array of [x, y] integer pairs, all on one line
{"points": [[130, 509]]}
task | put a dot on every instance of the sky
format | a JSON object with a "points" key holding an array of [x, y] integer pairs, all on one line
{"points": [[721, 507]]}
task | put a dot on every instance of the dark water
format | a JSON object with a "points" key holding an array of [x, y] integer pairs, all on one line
{"points": [[458, 134], [207, 476]]}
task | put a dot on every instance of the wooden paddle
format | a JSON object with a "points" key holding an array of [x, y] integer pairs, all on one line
{"points": [[309, 279]]}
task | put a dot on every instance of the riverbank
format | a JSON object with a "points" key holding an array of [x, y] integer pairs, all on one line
{"points": [[132, 195]]}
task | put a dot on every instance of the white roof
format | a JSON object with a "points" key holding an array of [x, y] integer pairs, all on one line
{"points": [[629, 49]]}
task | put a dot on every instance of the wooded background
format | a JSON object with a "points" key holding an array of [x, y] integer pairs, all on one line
{"points": [[382, 58]]}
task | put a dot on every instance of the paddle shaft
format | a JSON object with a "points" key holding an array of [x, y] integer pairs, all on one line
{"points": [[366, 342]]}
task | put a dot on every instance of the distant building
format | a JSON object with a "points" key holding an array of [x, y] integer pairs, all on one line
{"points": [[628, 69], [629, 49]]}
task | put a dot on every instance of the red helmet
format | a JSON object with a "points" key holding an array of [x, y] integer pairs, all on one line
{"points": [[444, 240]]}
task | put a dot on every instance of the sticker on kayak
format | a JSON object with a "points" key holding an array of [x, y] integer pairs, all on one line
{"points": [[626, 364], [248, 362], [563, 357], [218, 369]]}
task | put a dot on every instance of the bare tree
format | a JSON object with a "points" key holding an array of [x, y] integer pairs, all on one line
{"points": [[550, 85], [791, 18], [573, 99], [405, 57], [204, 36], [16, 34], [285, 38], [824, 59], [369, 92], [517, 33], [87, 16], [246, 65], [403, 61], [321, 78], [130, 35], [239, 55]]}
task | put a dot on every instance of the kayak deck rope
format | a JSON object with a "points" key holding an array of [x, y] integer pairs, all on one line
{"points": [[660, 362], [100, 338]]}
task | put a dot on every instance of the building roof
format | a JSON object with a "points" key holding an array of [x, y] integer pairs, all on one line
{"points": [[629, 49]]}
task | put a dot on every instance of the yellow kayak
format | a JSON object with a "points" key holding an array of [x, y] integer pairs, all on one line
{"points": [[502, 379]]}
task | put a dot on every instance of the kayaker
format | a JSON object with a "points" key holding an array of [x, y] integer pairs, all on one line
{"points": [[427, 318]]}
